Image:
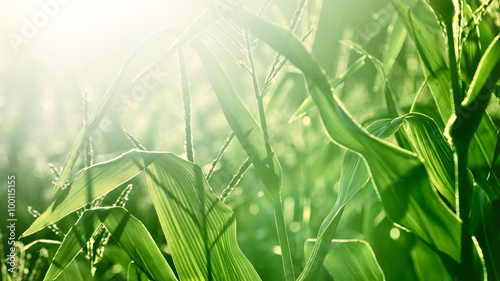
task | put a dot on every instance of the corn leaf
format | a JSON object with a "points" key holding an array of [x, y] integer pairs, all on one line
{"points": [[484, 217], [200, 230], [350, 260], [379, 66], [398, 175], [435, 153], [125, 229], [395, 43], [253, 140], [355, 174], [401, 136], [83, 189], [483, 78], [435, 68], [431, 147]]}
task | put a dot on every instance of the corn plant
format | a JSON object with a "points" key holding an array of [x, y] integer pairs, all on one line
{"points": [[427, 169]]}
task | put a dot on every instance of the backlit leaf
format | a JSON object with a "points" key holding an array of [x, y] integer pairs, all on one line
{"points": [[400, 178], [200, 230], [125, 229]]}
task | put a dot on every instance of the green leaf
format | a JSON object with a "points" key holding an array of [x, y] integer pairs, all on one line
{"points": [[350, 260], [435, 69], [438, 78], [88, 129], [401, 136], [471, 48], [431, 147], [483, 78], [244, 126], [399, 176], [83, 188], [484, 217], [125, 229], [435, 153], [281, 93], [200, 230], [379, 66], [354, 176], [253, 140], [395, 43]]}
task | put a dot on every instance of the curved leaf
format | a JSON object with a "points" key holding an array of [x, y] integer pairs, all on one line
{"points": [[482, 77], [399, 176], [125, 229], [438, 78], [84, 188], [200, 230], [253, 140], [435, 152]]}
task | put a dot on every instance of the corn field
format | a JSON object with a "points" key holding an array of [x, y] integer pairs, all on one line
{"points": [[250, 140]]}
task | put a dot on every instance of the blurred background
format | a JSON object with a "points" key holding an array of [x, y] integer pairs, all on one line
{"points": [[58, 58]]}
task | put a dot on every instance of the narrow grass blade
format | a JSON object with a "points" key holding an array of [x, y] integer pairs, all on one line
{"points": [[398, 175], [128, 231], [350, 260], [186, 100], [37, 245], [243, 124]]}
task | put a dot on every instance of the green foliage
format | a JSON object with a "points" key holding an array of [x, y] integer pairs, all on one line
{"points": [[386, 172]]}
